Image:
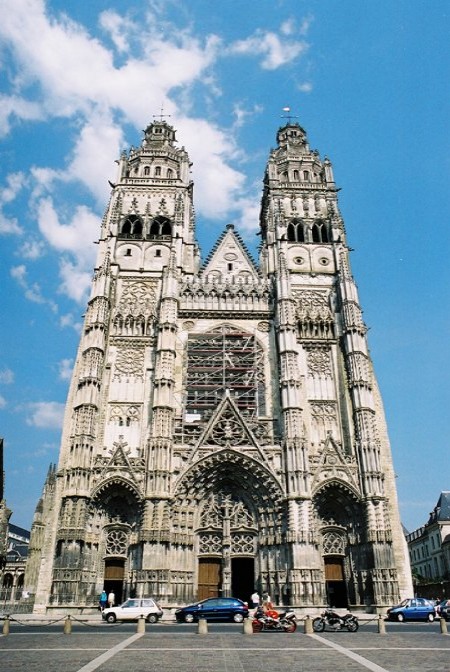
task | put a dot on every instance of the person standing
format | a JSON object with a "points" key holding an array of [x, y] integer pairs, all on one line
{"points": [[103, 599], [255, 599], [111, 599]]}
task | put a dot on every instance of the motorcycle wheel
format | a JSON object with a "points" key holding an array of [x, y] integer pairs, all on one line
{"points": [[290, 626], [352, 626], [257, 626], [318, 625]]}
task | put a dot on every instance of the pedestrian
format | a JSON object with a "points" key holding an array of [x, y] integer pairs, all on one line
{"points": [[111, 599], [255, 599], [103, 599]]}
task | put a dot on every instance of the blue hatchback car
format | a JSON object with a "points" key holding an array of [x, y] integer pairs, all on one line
{"points": [[214, 609], [413, 609]]}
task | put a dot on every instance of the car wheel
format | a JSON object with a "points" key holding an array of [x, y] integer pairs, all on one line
{"points": [[188, 618], [111, 618], [238, 618], [152, 618], [400, 618], [430, 618]]}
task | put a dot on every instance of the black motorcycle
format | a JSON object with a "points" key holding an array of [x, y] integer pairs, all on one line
{"points": [[332, 620], [263, 622]]}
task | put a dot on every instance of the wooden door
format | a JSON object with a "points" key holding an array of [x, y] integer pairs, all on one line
{"points": [[334, 570], [208, 578]]}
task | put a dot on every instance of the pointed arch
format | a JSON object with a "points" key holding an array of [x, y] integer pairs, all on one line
{"points": [[161, 227]]}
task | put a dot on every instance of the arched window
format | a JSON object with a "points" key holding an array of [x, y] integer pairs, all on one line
{"points": [[296, 176], [158, 171], [146, 170], [296, 231], [161, 227], [131, 227], [169, 173], [306, 175], [320, 232]]}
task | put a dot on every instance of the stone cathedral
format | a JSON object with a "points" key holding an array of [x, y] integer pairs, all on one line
{"points": [[224, 430]]}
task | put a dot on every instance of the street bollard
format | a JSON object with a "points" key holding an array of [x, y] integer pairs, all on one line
{"points": [[381, 625], [6, 624], [307, 625], [248, 627], [202, 626], [443, 624], [68, 626], [141, 625]]}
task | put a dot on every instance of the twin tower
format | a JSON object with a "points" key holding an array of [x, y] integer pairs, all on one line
{"points": [[224, 430]]}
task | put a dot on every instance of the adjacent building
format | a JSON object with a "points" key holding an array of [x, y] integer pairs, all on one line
{"points": [[224, 428], [429, 545]]}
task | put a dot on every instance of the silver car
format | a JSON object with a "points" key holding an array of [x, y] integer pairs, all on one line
{"points": [[132, 609]]}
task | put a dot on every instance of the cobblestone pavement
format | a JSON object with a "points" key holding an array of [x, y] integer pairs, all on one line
{"points": [[165, 651]]}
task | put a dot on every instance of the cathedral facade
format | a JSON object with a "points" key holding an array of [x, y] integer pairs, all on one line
{"points": [[223, 430]]}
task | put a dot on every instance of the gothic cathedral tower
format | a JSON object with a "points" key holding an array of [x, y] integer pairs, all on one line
{"points": [[224, 428]]}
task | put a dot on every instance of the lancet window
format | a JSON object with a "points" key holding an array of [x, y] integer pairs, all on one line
{"points": [[320, 232], [296, 231], [161, 227], [131, 227]]}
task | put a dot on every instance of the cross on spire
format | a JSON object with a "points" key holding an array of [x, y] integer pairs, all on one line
{"points": [[288, 114], [161, 115]]}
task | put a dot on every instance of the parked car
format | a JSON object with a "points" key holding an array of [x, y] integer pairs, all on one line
{"points": [[443, 609], [132, 609], [413, 609], [214, 609]]}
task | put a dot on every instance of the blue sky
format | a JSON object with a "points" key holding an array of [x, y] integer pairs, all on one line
{"points": [[369, 81]]}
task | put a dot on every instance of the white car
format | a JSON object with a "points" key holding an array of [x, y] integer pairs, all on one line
{"points": [[132, 609]]}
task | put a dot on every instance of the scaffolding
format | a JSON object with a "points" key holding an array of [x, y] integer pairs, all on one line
{"points": [[224, 361]]}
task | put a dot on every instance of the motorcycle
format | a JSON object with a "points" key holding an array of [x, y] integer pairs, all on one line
{"points": [[331, 619], [274, 622]]}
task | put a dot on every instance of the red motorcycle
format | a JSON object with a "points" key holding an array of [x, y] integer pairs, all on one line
{"points": [[272, 621]]}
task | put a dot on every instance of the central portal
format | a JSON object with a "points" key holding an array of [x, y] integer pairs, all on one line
{"points": [[209, 578]]}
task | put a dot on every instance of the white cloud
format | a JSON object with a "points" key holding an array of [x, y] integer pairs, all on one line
{"points": [[32, 291], [68, 320], [14, 183], [75, 280], [17, 107], [6, 376], [306, 87], [31, 249], [76, 237], [46, 414], [118, 29], [276, 51], [2, 401], [9, 225], [209, 149], [8, 193], [65, 369]]}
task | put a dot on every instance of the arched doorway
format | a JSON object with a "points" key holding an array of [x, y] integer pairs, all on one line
{"points": [[227, 547], [340, 521], [114, 578], [335, 586]]}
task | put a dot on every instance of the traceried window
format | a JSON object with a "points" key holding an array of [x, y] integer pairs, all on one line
{"points": [[160, 227], [131, 227], [296, 231], [222, 360], [319, 232]]}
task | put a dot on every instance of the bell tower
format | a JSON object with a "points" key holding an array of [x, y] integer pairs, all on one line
{"points": [[336, 450]]}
